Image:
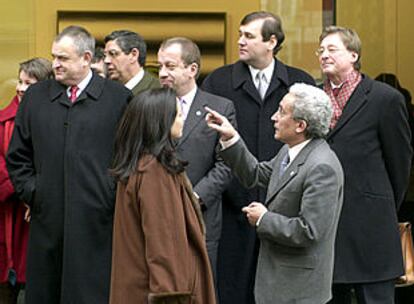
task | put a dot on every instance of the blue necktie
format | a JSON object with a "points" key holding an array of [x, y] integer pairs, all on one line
{"points": [[284, 164]]}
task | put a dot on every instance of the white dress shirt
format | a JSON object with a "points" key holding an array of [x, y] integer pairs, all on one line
{"points": [[81, 86], [135, 80]]}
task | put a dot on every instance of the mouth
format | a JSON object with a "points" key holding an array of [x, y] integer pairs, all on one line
{"points": [[166, 83]]}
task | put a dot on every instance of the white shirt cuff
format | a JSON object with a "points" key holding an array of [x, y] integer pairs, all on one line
{"points": [[228, 143], [260, 218]]}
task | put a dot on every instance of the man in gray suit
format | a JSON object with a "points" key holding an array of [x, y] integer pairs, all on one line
{"points": [[297, 222], [179, 63], [125, 54]]}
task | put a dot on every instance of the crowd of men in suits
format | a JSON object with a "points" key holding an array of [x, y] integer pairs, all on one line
{"points": [[309, 214]]}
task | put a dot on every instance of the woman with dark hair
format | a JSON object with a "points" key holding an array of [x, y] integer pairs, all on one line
{"points": [[13, 228], [159, 253]]}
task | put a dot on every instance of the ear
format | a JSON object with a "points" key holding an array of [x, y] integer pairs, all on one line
{"points": [[87, 56], [272, 42], [193, 69], [354, 57], [301, 126], [134, 54]]}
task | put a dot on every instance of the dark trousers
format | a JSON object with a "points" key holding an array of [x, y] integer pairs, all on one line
{"points": [[365, 293], [212, 251], [9, 293]]}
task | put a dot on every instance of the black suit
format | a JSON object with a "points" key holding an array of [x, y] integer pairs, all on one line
{"points": [[372, 141], [238, 246], [199, 145], [58, 161]]}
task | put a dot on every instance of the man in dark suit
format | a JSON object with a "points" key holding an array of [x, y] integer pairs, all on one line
{"points": [[256, 84], [297, 221], [371, 136], [58, 161], [179, 61], [125, 54]]}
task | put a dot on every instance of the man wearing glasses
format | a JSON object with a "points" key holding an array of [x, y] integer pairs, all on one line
{"points": [[125, 54], [371, 137]]}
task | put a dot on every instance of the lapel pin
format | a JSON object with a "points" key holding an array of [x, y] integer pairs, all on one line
{"points": [[198, 113], [292, 172]]}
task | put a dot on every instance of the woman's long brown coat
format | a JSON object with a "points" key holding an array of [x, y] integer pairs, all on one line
{"points": [[159, 252]]}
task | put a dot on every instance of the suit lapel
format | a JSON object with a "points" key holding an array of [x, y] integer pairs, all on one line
{"points": [[291, 171], [195, 116], [242, 77], [279, 76], [354, 104], [93, 91]]}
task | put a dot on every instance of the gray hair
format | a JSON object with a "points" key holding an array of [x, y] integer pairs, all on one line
{"points": [[82, 39], [313, 106], [349, 38]]}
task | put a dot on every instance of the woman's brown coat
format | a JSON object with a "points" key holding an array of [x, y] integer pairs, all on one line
{"points": [[159, 252]]}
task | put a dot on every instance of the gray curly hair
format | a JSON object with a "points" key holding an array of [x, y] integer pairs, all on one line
{"points": [[313, 106]]}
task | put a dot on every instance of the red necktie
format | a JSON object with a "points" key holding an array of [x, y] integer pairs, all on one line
{"points": [[73, 91]]}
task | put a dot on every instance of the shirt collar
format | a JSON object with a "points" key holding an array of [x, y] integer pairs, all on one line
{"points": [[189, 97], [135, 80], [267, 71], [295, 150], [81, 85], [351, 77]]}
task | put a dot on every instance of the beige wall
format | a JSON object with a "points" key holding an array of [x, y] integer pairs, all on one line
{"points": [[46, 10], [29, 26], [15, 38], [405, 45], [302, 24], [385, 28]]}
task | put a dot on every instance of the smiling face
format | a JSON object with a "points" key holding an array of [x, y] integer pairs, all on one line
{"points": [[69, 66], [335, 60], [173, 72], [252, 49], [23, 83]]}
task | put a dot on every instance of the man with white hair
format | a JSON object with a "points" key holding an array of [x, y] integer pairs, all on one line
{"points": [[297, 222]]}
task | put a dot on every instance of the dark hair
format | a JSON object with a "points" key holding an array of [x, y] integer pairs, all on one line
{"points": [[272, 25], [190, 53], [127, 40], [99, 54], [82, 39], [39, 68], [145, 128]]}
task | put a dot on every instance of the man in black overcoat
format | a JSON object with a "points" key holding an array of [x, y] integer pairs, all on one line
{"points": [[256, 84], [58, 161], [371, 137]]}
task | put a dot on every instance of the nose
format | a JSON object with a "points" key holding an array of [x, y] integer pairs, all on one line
{"points": [[21, 87], [162, 72], [55, 63], [275, 116], [107, 60], [241, 40], [324, 54]]}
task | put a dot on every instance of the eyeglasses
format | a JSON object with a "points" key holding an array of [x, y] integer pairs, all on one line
{"points": [[331, 51]]}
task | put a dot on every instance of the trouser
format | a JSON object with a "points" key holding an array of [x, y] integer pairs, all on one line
{"points": [[212, 251], [365, 293], [9, 293]]}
